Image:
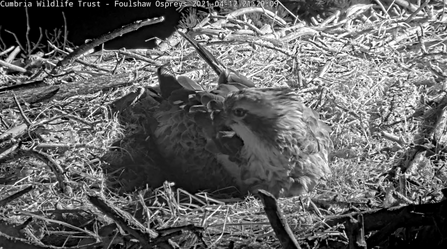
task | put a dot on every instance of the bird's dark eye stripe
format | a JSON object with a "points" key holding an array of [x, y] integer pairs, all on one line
{"points": [[239, 112]]}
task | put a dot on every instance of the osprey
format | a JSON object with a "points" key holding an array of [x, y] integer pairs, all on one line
{"points": [[254, 138]]}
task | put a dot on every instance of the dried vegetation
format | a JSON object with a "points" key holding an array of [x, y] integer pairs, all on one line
{"points": [[378, 79]]}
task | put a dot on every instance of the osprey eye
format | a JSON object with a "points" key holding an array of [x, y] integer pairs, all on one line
{"points": [[239, 112]]}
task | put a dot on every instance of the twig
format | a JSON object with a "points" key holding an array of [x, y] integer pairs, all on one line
{"points": [[28, 122], [125, 221], [260, 41], [387, 220], [13, 67], [92, 234], [11, 149], [7, 51], [14, 196], [13, 54], [7, 241], [65, 31], [140, 57], [278, 222], [394, 138], [378, 2], [244, 11], [405, 4], [236, 21], [55, 168], [417, 11], [106, 37], [29, 96], [81, 61], [28, 43], [167, 233], [356, 232]]}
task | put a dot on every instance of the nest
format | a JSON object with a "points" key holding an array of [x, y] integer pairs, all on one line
{"points": [[75, 142]]}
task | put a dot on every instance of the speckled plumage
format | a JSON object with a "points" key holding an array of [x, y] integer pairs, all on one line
{"points": [[286, 146], [182, 143], [255, 138], [181, 139]]}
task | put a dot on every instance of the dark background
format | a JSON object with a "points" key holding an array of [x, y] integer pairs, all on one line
{"points": [[86, 23]]}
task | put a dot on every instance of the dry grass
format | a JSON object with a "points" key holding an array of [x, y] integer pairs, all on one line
{"points": [[365, 95]]}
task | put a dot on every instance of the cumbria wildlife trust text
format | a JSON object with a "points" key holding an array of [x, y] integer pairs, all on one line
{"points": [[89, 4]]}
